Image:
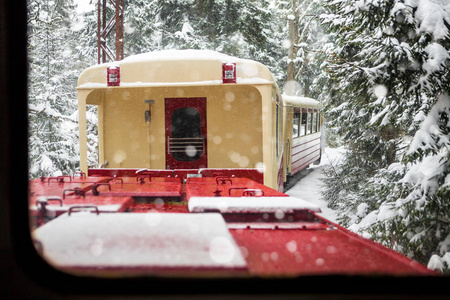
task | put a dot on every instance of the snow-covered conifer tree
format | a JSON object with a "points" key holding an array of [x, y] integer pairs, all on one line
{"points": [[53, 124], [390, 67], [236, 27]]}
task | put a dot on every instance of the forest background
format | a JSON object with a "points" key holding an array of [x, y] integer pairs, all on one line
{"points": [[380, 69]]}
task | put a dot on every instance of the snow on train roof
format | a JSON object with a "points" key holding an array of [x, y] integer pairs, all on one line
{"points": [[300, 101], [159, 240], [250, 204], [182, 55], [176, 67]]}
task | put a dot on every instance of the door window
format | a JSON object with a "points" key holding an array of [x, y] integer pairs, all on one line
{"points": [[187, 142]]}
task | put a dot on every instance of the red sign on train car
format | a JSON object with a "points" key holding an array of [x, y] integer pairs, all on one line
{"points": [[229, 73], [113, 76]]}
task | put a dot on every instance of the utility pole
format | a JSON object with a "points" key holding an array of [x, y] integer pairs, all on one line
{"points": [[110, 27], [293, 20]]}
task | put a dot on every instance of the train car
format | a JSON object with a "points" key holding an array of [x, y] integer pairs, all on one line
{"points": [[196, 110], [185, 110], [304, 141]]}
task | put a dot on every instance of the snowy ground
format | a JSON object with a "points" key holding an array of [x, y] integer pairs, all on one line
{"points": [[309, 186]]}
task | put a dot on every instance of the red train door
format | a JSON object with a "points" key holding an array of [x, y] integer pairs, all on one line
{"points": [[186, 133]]}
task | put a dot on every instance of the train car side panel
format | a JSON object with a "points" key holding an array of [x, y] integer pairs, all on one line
{"points": [[288, 125], [305, 151]]}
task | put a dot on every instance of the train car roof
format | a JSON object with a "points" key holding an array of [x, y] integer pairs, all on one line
{"points": [[176, 67], [300, 101]]}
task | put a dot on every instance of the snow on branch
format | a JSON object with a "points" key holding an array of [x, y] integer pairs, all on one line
{"points": [[430, 135]]}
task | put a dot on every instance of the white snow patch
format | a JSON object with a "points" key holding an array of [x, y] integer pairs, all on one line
{"points": [[187, 28], [46, 163], [438, 263], [128, 240], [432, 15], [437, 56], [84, 6], [380, 91], [300, 101], [361, 210], [182, 55], [309, 187], [277, 205], [423, 137], [386, 212]]}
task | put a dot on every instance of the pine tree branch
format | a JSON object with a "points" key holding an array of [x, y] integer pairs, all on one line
{"points": [[60, 117]]}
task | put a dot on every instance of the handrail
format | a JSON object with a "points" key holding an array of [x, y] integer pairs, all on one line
{"points": [[44, 200], [114, 179], [59, 179], [236, 188], [80, 207], [95, 186], [77, 191]]}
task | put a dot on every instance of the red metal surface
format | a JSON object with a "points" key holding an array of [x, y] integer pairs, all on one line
{"points": [[295, 252], [152, 189], [111, 204], [253, 174], [110, 20], [158, 207], [127, 173], [207, 187], [57, 189], [69, 179], [42, 212], [134, 271], [294, 244], [146, 179]]}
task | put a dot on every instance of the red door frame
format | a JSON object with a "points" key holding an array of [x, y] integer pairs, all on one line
{"points": [[172, 104]]}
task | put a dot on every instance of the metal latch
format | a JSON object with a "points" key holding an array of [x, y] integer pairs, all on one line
{"points": [[148, 113]]}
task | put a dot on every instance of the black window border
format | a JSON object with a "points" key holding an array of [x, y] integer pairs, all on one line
{"points": [[24, 275]]}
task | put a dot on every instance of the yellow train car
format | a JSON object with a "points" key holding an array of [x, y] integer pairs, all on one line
{"points": [[184, 109], [303, 133]]}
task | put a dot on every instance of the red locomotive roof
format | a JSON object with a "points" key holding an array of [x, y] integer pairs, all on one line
{"points": [[318, 250], [263, 233]]}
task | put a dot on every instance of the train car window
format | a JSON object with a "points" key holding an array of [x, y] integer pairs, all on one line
{"points": [[92, 139], [296, 125], [304, 119], [309, 123], [314, 122], [277, 126], [318, 122], [280, 128]]}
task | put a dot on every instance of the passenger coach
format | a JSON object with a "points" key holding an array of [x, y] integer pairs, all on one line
{"points": [[304, 141], [193, 110]]}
